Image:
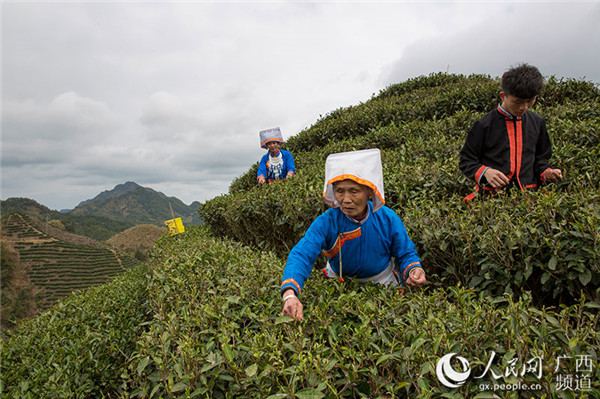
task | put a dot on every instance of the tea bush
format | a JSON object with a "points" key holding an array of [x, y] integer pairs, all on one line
{"points": [[217, 333], [433, 80], [433, 103], [205, 321], [80, 347], [503, 245]]}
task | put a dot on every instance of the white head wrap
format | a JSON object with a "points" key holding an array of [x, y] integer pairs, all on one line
{"points": [[363, 167], [270, 135]]}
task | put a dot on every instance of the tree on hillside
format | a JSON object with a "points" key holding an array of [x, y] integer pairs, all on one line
{"points": [[18, 296]]}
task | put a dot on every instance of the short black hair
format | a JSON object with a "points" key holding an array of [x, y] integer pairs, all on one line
{"points": [[522, 81]]}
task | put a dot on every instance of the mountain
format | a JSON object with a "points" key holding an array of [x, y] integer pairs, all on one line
{"points": [[29, 207], [139, 205], [110, 212], [119, 190]]}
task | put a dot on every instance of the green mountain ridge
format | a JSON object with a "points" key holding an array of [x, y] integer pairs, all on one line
{"points": [[137, 204], [118, 190]]}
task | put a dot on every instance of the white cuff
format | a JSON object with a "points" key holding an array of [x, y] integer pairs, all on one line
{"points": [[285, 298]]}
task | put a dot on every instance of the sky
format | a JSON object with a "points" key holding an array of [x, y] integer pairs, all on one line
{"points": [[173, 95]]}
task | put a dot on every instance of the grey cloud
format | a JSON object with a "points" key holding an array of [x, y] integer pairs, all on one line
{"points": [[33, 152], [559, 38], [164, 110], [67, 117], [53, 132]]}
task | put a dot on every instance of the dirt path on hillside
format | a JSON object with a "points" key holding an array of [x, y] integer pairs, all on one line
{"points": [[118, 259]]}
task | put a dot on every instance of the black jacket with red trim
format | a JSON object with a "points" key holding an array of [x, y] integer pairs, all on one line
{"points": [[519, 147]]}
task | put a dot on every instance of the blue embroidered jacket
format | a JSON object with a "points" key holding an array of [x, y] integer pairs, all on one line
{"points": [[264, 169], [365, 247]]}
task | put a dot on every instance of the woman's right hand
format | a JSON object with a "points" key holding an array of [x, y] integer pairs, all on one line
{"points": [[292, 307]]}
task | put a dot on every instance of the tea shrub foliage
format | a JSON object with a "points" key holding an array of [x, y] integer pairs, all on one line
{"points": [[79, 347], [204, 321], [219, 333]]}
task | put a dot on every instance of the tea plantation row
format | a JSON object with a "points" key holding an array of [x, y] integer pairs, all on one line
{"points": [[546, 242], [204, 322], [56, 267]]}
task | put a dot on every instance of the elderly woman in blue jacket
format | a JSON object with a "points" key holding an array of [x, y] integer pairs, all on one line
{"points": [[361, 239], [276, 164]]}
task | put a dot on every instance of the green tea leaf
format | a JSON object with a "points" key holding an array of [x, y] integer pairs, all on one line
{"points": [[142, 365], [227, 352], [180, 386], [552, 263], [423, 384], [310, 393], [251, 370], [573, 342], [585, 277], [283, 319], [385, 358], [226, 377]]}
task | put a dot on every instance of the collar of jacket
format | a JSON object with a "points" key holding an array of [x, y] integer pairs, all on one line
{"points": [[507, 114], [363, 220]]}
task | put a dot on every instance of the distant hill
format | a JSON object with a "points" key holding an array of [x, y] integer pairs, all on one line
{"points": [[58, 262], [139, 205], [96, 227], [137, 241], [28, 207]]}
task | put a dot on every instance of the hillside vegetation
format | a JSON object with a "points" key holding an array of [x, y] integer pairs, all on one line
{"points": [[110, 212], [202, 318], [137, 241], [58, 263], [18, 296], [204, 322]]}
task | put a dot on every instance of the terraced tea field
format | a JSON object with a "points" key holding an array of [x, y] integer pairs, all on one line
{"points": [[58, 267]]}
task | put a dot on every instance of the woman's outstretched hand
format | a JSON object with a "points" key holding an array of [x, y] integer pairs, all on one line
{"points": [[292, 306]]}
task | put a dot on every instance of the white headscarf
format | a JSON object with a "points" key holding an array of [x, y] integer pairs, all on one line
{"points": [[270, 135], [363, 167]]}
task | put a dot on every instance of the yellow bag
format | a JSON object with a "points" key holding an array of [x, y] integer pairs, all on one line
{"points": [[175, 226]]}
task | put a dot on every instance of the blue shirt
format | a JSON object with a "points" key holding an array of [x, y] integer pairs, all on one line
{"points": [[366, 247], [276, 172]]}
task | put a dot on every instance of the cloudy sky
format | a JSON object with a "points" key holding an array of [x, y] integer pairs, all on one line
{"points": [[172, 95]]}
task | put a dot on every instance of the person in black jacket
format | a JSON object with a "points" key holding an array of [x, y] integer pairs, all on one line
{"points": [[509, 146]]}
